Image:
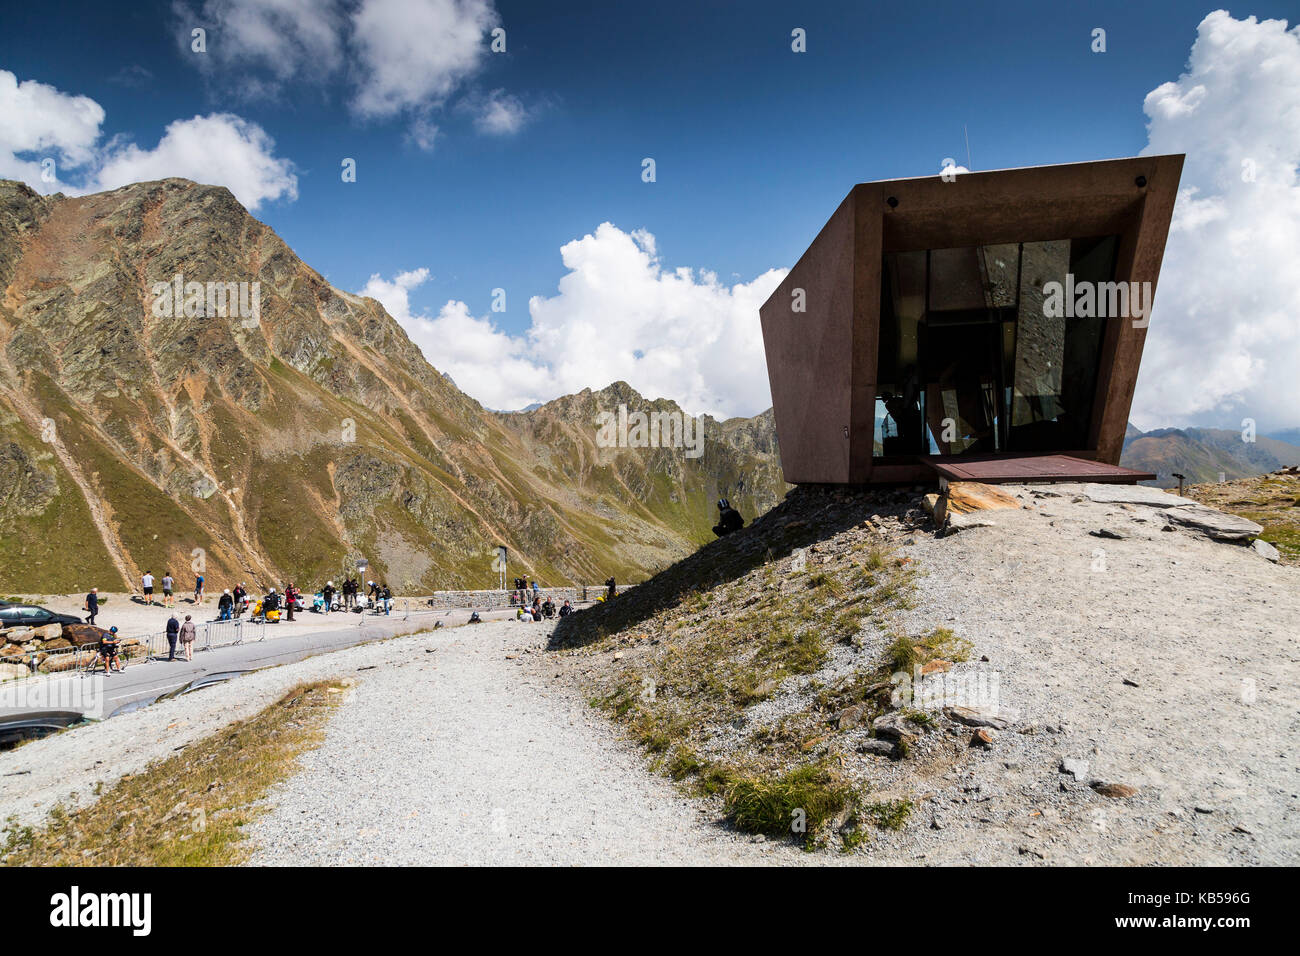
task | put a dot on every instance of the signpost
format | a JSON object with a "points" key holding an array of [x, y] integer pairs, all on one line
{"points": [[499, 565]]}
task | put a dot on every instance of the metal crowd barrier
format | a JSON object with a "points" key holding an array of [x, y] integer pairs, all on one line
{"points": [[210, 634]]}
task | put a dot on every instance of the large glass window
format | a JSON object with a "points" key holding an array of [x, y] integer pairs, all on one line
{"points": [[971, 361]]}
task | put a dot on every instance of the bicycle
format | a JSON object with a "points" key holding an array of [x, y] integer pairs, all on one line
{"points": [[100, 659]]}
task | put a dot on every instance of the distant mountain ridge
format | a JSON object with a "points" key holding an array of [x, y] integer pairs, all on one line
{"points": [[1201, 454], [135, 438]]}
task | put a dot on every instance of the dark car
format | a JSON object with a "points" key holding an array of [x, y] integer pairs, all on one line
{"points": [[29, 615]]}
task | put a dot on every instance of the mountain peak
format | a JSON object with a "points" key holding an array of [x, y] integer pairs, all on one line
{"points": [[144, 424]]}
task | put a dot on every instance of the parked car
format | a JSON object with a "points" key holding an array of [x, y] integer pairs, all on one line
{"points": [[29, 615]]}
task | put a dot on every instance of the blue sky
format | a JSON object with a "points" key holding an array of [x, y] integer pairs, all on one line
{"points": [[754, 144]]}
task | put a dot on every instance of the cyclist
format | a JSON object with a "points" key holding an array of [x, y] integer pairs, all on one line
{"points": [[108, 645]]}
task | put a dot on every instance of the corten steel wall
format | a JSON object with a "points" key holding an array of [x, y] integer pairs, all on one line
{"points": [[822, 362]]}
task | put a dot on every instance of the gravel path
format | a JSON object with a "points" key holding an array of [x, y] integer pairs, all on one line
{"points": [[469, 750]]}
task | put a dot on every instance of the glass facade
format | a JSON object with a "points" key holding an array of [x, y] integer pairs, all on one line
{"points": [[970, 361]]}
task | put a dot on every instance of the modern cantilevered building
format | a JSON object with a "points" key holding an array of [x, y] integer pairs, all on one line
{"points": [[984, 325]]}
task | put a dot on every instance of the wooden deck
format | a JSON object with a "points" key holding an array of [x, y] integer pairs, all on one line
{"points": [[999, 469]]}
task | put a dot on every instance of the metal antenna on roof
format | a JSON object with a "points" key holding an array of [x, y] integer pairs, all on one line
{"points": [[966, 134]]}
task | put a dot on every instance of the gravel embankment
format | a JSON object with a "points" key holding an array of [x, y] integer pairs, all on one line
{"points": [[65, 768], [1206, 729]]}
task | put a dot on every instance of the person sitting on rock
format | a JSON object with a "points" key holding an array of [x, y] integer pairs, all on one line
{"points": [[729, 519]]}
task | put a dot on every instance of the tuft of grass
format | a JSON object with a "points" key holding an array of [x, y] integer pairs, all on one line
{"points": [[942, 642], [901, 655], [810, 795], [190, 809], [918, 717], [890, 815], [852, 839], [684, 763]]}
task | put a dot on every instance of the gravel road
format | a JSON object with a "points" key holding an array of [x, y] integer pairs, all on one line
{"points": [[467, 750]]}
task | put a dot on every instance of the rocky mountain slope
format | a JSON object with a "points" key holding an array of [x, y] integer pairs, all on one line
{"points": [[134, 437]]}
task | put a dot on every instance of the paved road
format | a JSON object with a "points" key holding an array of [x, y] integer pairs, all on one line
{"points": [[143, 682]]}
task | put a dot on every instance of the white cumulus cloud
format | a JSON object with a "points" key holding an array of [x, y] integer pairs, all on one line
{"points": [[220, 149], [284, 38], [414, 53], [39, 122], [1224, 341], [619, 314], [498, 113], [400, 59]]}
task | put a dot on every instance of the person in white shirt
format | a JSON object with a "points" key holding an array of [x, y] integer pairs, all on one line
{"points": [[146, 584]]}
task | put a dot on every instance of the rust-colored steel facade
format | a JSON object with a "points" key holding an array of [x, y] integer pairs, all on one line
{"points": [[824, 362]]}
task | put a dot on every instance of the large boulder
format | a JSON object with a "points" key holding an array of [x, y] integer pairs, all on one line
{"points": [[83, 634], [963, 497], [1133, 495], [69, 660], [12, 671], [1215, 524]]}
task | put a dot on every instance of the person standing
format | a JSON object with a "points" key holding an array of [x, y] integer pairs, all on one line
{"points": [[387, 597], [167, 584], [612, 589], [198, 589], [187, 638], [328, 594], [173, 631], [239, 595], [92, 605], [290, 599], [146, 585], [225, 605]]}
